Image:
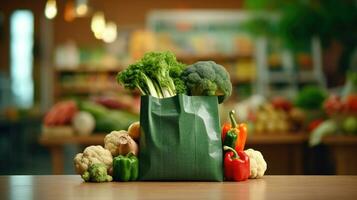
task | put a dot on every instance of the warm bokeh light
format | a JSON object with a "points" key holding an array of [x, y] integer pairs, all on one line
{"points": [[110, 32], [51, 9], [98, 24], [81, 10]]}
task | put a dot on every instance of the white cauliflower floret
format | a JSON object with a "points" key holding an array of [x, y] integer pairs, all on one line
{"points": [[91, 155], [258, 166], [120, 143]]}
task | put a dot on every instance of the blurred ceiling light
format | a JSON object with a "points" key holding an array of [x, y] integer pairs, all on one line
{"points": [[51, 9], [69, 12], [81, 8], [98, 24], [110, 32]]}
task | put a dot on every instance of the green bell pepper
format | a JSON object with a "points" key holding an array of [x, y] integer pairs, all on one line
{"points": [[231, 138], [125, 168]]}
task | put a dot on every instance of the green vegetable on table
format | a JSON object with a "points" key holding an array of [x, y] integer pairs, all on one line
{"points": [[206, 78], [125, 168], [156, 74], [97, 173]]}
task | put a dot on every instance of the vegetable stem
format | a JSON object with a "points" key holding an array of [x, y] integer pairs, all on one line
{"points": [[227, 148], [232, 118]]}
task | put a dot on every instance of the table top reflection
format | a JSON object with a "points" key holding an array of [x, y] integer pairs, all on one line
{"points": [[270, 187]]}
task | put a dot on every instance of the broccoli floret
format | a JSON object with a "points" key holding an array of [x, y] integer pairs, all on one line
{"points": [[96, 173], [207, 78], [176, 70], [180, 86]]}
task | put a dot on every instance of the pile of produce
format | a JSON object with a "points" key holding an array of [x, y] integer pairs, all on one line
{"points": [[116, 161], [83, 118], [276, 116], [160, 75], [280, 115], [341, 118], [340, 113]]}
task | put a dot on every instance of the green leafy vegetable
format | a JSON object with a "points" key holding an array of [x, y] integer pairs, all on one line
{"points": [[310, 97], [156, 74], [207, 78]]}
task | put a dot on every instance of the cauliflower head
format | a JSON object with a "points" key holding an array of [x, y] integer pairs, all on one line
{"points": [[120, 143], [92, 155], [258, 166]]}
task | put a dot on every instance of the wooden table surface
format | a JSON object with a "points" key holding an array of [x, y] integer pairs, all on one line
{"points": [[270, 187]]}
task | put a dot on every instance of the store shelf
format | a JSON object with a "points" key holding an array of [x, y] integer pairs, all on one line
{"points": [[242, 81], [340, 140], [280, 138], [86, 90], [84, 69], [214, 57], [97, 138], [280, 77], [85, 80]]}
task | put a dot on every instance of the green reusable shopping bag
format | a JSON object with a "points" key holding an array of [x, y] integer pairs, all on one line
{"points": [[180, 139]]}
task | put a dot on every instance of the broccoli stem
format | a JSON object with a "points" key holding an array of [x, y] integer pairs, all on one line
{"points": [[151, 89], [167, 93], [141, 90], [158, 89]]}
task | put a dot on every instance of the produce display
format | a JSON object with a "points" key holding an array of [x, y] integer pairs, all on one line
{"points": [[83, 118], [61, 114], [271, 119], [106, 119], [274, 117], [83, 123], [160, 75], [341, 118], [57, 122], [340, 113]]}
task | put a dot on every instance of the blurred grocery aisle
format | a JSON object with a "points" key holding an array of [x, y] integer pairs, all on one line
{"points": [[292, 64]]}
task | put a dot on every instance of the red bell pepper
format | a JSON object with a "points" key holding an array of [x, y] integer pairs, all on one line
{"points": [[240, 129], [236, 165]]}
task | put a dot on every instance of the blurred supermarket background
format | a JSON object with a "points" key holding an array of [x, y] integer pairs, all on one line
{"points": [[293, 65]]}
